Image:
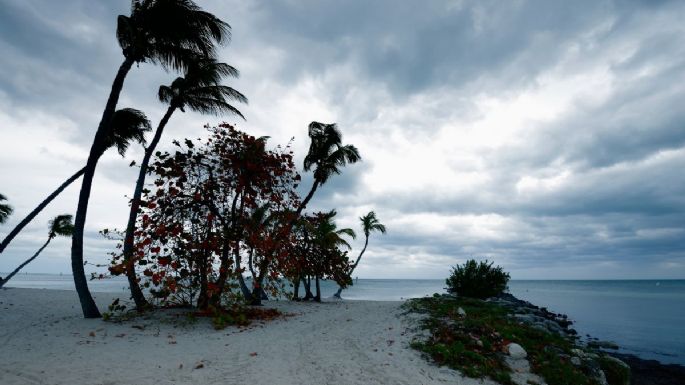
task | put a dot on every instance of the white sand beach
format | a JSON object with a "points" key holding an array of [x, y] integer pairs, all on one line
{"points": [[45, 341]]}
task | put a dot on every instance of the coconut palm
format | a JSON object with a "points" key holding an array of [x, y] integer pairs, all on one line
{"points": [[166, 32], [328, 240], [60, 225], [326, 156], [200, 90], [5, 209], [128, 125], [370, 224]]}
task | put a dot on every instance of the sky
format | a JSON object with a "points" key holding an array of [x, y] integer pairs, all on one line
{"points": [[546, 136]]}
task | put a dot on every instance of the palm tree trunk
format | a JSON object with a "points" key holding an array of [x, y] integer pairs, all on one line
{"points": [[340, 289], [306, 200], [20, 226], [307, 283], [317, 298], [136, 292], [296, 289], [90, 309], [12, 274]]}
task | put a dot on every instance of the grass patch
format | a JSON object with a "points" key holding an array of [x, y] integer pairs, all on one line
{"points": [[475, 344]]}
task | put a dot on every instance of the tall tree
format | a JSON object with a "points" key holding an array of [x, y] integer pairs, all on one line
{"points": [[328, 240], [327, 155], [200, 90], [370, 224], [5, 209], [166, 32], [60, 225], [128, 125]]}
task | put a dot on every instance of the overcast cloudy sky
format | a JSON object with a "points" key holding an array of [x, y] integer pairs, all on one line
{"points": [[548, 136]]}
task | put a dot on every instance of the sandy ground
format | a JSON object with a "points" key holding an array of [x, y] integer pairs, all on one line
{"points": [[44, 340]]}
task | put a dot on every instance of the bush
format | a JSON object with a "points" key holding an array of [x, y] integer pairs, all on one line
{"points": [[477, 280]]}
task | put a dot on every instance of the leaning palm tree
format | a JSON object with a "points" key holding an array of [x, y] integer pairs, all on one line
{"points": [[326, 155], [166, 32], [200, 90], [128, 125], [5, 209], [60, 225], [369, 224]]}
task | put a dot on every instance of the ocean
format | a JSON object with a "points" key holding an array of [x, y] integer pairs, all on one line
{"points": [[645, 317]]}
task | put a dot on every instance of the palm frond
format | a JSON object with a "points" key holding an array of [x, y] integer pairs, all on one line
{"points": [[170, 32], [61, 225], [201, 91], [326, 153], [370, 223], [127, 125], [5, 209]]}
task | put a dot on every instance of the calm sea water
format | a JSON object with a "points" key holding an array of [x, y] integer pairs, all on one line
{"points": [[646, 318]]}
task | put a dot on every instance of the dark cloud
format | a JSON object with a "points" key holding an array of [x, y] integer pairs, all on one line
{"points": [[589, 183]]}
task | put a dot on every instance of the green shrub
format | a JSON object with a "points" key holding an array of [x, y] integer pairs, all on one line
{"points": [[477, 280]]}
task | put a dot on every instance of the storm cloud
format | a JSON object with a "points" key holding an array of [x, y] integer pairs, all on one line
{"points": [[548, 136]]}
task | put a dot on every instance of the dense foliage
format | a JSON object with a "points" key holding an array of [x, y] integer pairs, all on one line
{"points": [[477, 280], [224, 207]]}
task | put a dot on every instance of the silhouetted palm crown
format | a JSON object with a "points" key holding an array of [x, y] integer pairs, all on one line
{"points": [[327, 234], [200, 89], [326, 152], [5, 209], [128, 124], [169, 32], [61, 225], [370, 223]]}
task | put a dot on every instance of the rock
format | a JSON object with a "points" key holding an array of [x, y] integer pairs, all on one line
{"points": [[616, 371], [516, 351], [603, 345], [575, 361], [461, 312]]}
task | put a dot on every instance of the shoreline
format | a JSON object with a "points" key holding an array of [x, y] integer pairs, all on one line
{"points": [[643, 371], [62, 305]]}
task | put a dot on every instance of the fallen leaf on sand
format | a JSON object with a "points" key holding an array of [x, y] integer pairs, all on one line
{"points": [[253, 354], [92, 334], [141, 327], [199, 365], [172, 342]]}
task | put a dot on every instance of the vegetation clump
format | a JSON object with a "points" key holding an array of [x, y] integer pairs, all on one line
{"points": [[477, 280], [476, 343]]}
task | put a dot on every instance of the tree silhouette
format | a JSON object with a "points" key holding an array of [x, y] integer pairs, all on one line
{"points": [[369, 224], [200, 90], [326, 156], [328, 241], [128, 125], [166, 32], [5, 209], [60, 225]]}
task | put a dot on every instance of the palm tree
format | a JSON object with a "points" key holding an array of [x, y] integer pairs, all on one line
{"points": [[328, 238], [166, 32], [60, 225], [369, 224], [128, 125], [200, 90], [326, 155], [5, 210]]}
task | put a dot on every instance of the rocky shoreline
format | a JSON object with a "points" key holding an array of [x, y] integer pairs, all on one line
{"points": [[642, 372]]}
